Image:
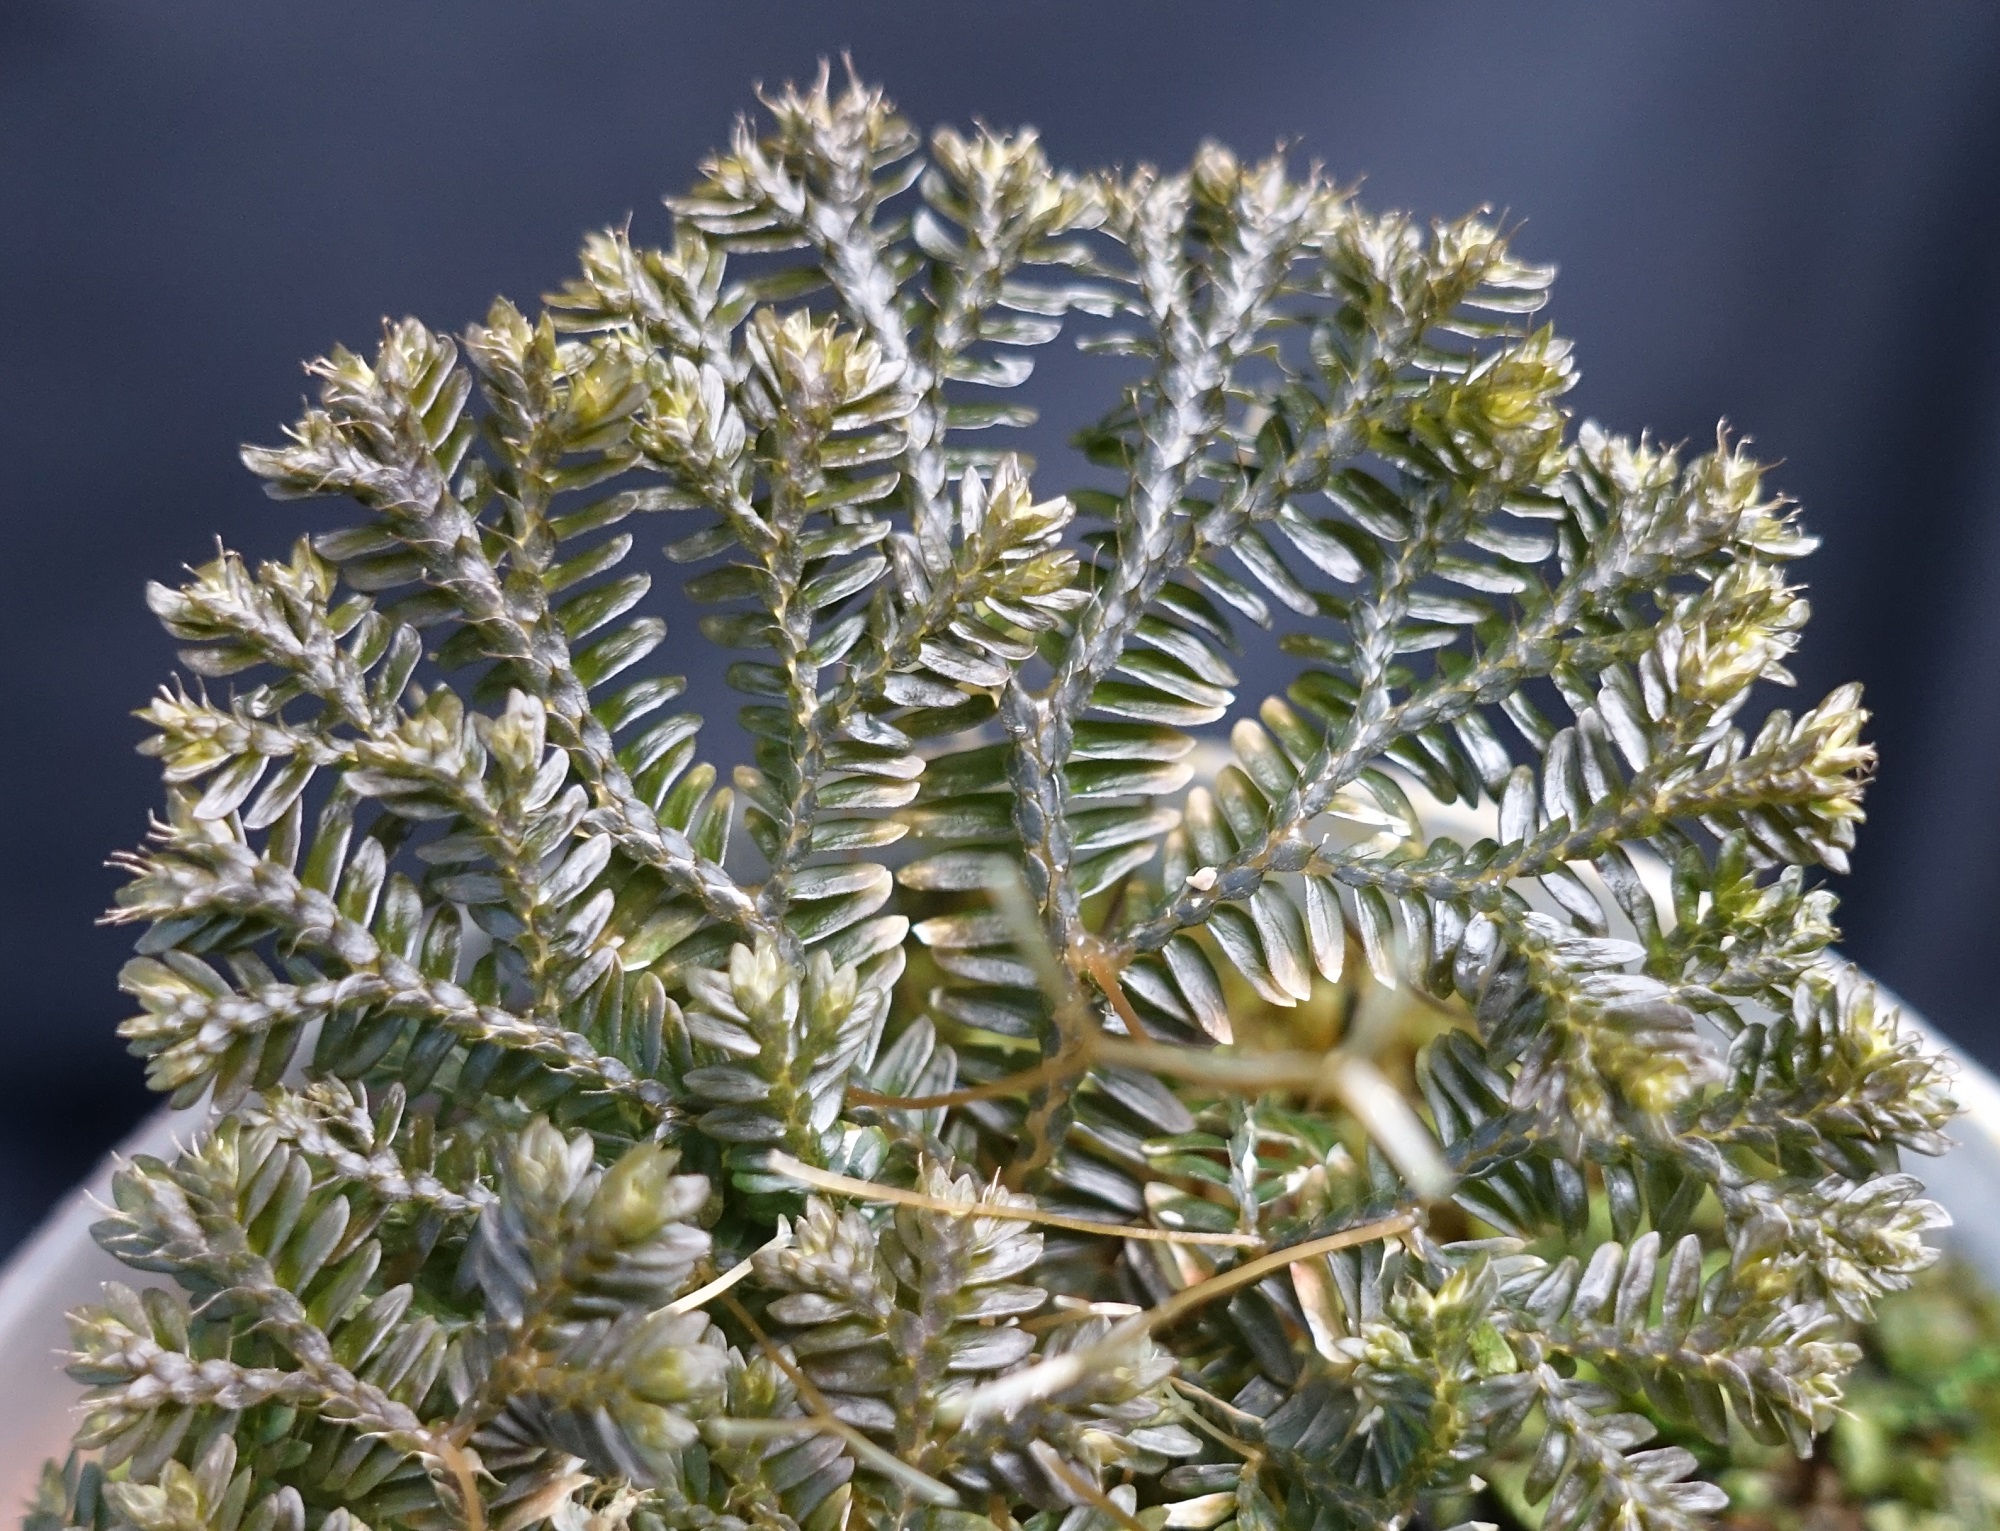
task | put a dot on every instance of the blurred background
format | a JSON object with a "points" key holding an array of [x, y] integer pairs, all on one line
{"points": [[1785, 214]]}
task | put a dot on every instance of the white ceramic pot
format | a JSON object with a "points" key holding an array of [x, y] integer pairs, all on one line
{"points": [[60, 1267], [56, 1270]]}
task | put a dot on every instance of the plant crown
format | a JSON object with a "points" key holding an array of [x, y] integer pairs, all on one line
{"points": [[980, 1113]]}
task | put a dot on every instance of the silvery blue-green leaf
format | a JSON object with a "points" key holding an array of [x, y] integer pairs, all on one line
{"points": [[1326, 928]]}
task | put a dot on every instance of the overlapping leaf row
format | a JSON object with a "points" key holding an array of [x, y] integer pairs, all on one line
{"points": [[526, 1063]]}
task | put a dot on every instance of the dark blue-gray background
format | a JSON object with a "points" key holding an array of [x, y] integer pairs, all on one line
{"points": [[1785, 213]]}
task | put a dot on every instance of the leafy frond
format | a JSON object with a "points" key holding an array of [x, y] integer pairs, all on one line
{"points": [[580, 1348]]}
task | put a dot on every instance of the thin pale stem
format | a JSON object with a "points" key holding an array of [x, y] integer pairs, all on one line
{"points": [[869, 1190], [919, 1483]]}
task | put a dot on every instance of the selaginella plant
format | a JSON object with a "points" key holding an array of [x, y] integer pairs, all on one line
{"points": [[989, 1111]]}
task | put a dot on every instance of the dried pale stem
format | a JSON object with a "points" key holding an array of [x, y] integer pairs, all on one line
{"points": [[1103, 969], [1251, 1271], [869, 1190], [1045, 1072], [1091, 1494], [1340, 1074], [921, 1484], [1047, 1378], [1222, 1406], [1337, 1075], [702, 1295], [471, 1507]]}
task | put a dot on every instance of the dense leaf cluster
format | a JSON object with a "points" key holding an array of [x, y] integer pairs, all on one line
{"points": [[980, 1112]]}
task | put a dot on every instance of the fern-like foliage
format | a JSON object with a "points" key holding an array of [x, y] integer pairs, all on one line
{"points": [[1043, 1113]]}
